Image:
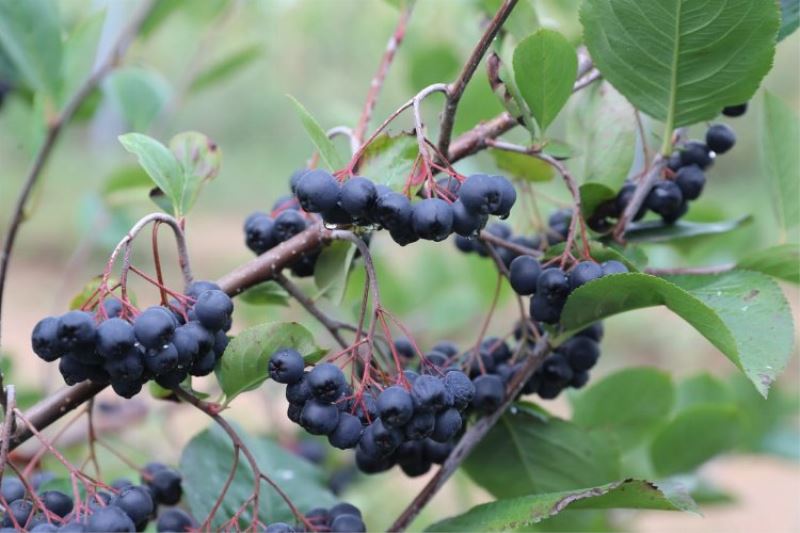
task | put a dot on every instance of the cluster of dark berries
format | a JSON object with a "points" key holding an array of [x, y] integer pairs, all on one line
{"points": [[557, 228], [264, 231], [461, 207], [126, 508], [411, 423], [669, 198], [117, 344], [550, 287], [341, 518]]}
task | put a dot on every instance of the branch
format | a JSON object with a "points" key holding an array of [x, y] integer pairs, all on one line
{"points": [[377, 82], [53, 131], [472, 437], [456, 89], [9, 404], [639, 195]]}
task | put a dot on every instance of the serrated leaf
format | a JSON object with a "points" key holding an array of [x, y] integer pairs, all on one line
{"points": [[528, 452], [515, 513], [266, 293], [226, 67], [628, 404], [200, 159], [782, 261], [245, 364], [696, 435], [681, 61], [206, 463], [332, 270], [139, 95], [607, 152], [389, 159], [30, 35], [744, 314], [159, 163], [790, 18], [780, 137], [327, 151], [545, 64], [658, 231], [522, 166]]}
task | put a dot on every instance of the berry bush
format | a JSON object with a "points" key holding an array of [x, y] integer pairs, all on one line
{"points": [[576, 172]]}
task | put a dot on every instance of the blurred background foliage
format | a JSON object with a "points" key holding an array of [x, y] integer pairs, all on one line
{"points": [[224, 69]]}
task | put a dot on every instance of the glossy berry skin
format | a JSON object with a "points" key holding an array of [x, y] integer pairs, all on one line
{"points": [[279, 527], [299, 392], [543, 310], [72, 370], [579, 379], [466, 223], [126, 389], [385, 438], [137, 504], [448, 348], [508, 196], [489, 393], [112, 306], [583, 273], [696, 153], [317, 191], [258, 233], [161, 360], [552, 285], [460, 387], [690, 180], [593, 332], [395, 406], [347, 432], [623, 199], [464, 244], [581, 353], [420, 426], [665, 198], [286, 366], [348, 524], [613, 267], [187, 344], [343, 509], [115, 338], [127, 368], [288, 224], [337, 216], [166, 486], [204, 364], [154, 327], [432, 219], [326, 382], [109, 519], [213, 309], [21, 510], [481, 194], [76, 331], [392, 211], [448, 424], [404, 348], [12, 489], [720, 138], [404, 235], [735, 110], [523, 274], [174, 521], [428, 394], [319, 418], [44, 339], [358, 197], [556, 369]]}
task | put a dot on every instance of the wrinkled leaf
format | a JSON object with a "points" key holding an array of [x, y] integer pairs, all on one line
{"points": [[327, 151]]}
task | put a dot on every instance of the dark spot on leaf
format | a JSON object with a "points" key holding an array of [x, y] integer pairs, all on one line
{"points": [[752, 294]]}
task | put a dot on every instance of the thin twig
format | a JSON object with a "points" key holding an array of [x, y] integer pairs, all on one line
{"points": [[8, 425], [713, 269], [642, 189], [456, 89]]}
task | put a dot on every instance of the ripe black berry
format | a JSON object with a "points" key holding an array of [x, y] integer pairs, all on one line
{"points": [[347, 432], [12, 489], [460, 388], [489, 393], [109, 519], [317, 191], [174, 521], [348, 523], [137, 504], [299, 392], [20, 510], [448, 348], [286, 366], [481, 194], [556, 369], [552, 285], [385, 438], [279, 527], [448, 424], [258, 233], [196, 288], [523, 274], [165, 483], [420, 426], [358, 197], [690, 181], [508, 196], [319, 418], [112, 306], [665, 198], [326, 381], [403, 235], [288, 224], [76, 332], [395, 406], [428, 393], [126, 389], [696, 153], [594, 332], [544, 310], [432, 219], [343, 508], [497, 349], [623, 199], [213, 309], [44, 339], [581, 353], [187, 345], [72, 370], [614, 267], [392, 211], [404, 348], [130, 367], [579, 379], [735, 110], [584, 272], [720, 138], [115, 338], [161, 360], [154, 327], [466, 222]]}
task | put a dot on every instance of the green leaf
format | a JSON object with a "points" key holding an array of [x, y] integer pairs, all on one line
{"points": [[628, 404], [200, 159], [159, 163], [30, 36], [681, 61], [332, 270], [528, 452], [790, 18], [657, 231], [206, 463], [545, 64], [782, 261], [522, 21], [225, 68], [780, 137], [696, 435], [744, 314], [511, 514], [80, 51], [599, 253], [593, 195], [606, 153], [126, 183], [265, 293], [327, 151], [244, 365], [138, 94], [390, 159], [522, 166], [85, 293], [702, 389]]}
